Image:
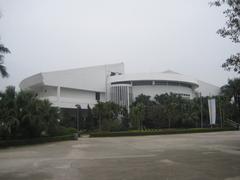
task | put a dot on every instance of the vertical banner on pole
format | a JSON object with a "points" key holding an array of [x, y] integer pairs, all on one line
{"points": [[212, 110]]}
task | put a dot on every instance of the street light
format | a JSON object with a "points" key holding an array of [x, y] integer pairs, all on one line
{"points": [[201, 104], [78, 108], [201, 108]]}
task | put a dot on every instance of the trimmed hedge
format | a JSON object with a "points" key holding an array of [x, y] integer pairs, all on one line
{"points": [[158, 132], [63, 131], [7, 143]]}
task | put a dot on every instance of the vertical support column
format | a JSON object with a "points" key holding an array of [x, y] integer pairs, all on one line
{"points": [[107, 85], [58, 95], [117, 95]]}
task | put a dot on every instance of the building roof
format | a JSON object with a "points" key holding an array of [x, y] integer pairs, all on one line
{"points": [[95, 79], [89, 78], [160, 76]]}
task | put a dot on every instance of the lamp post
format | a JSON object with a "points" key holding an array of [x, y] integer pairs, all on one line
{"points": [[201, 109], [78, 107]]}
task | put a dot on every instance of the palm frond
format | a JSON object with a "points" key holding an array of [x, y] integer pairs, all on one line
{"points": [[3, 71], [3, 49]]}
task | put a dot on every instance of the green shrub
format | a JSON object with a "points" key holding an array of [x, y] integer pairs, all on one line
{"points": [[159, 132], [61, 131], [7, 143]]}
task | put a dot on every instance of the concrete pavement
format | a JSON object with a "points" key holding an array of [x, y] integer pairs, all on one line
{"points": [[205, 156]]}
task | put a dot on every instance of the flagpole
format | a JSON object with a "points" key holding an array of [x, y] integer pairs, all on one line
{"points": [[201, 106]]}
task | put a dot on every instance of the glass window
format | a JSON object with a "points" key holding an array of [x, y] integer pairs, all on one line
{"points": [[173, 83], [161, 83], [122, 82], [142, 83]]}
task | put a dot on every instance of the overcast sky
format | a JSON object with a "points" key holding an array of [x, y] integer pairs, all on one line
{"points": [[147, 35]]}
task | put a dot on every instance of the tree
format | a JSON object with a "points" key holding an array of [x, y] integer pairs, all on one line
{"points": [[30, 124], [22, 115], [124, 119], [143, 99], [81, 122], [3, 50], [48, 116], [98, 113], [171, 107], [3, 70], [8, 112], [68, 118], [147, 104], [35, 116], [137, 116], [109, 116], [89, 119], [231, 30], [232, 90]]}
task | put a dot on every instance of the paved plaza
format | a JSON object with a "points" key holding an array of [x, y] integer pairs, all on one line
{"points": [[214, 156]]}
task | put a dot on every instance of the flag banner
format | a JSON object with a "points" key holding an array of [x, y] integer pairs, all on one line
{"points": [[212, 110]]}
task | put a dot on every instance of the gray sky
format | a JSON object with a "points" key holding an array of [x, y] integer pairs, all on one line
{"points": [[147, 35]]}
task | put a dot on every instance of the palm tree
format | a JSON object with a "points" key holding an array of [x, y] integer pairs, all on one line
{"points": [[89, 119], [137, 116], [8, 112], [3, 71]]}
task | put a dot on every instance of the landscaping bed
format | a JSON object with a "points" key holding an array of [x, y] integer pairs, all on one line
{"points": [[158, 132], [20, 142]]}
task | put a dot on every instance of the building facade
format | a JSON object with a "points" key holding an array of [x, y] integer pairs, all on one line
{"points": [[87, 86]]}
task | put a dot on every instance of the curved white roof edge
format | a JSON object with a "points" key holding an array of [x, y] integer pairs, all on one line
{"points": [[161, 76], [85, 67], [34, 80], [91, 78], [42, 79]]}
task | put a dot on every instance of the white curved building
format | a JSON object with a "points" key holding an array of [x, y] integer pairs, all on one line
{"points": [[86, 86]]}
